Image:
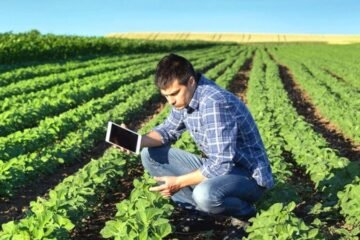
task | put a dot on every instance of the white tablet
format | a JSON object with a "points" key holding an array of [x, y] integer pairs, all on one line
{"points": [[123, 137]]}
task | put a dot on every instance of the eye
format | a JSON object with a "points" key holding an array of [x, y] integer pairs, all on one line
{"points": [[175, 93]]}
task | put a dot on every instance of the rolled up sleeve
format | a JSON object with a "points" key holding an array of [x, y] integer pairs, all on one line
{"points": [[221, 133], [172, 128]]}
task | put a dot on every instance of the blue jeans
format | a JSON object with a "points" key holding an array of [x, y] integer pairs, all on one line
{"points": [[232, 194]]}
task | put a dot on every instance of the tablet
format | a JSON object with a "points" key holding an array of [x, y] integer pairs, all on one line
{"points": [[123, 137]]}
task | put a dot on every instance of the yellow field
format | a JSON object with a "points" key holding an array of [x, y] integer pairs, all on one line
{"points": [[241, 37]]}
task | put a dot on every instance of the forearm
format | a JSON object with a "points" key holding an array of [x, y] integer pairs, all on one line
{"points": [[151, 139], [172, 184], [189, 179]]}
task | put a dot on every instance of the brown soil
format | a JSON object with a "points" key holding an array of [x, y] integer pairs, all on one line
{"points": [[240, 83]]}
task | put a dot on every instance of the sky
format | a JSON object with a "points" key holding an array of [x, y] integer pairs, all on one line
{"points": [[101, 17]]}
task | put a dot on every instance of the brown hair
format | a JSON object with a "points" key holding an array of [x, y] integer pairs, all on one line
{"points": [[172, 67]]}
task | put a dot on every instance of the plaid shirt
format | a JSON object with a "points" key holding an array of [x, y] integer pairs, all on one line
{"points": [[223, 129]]}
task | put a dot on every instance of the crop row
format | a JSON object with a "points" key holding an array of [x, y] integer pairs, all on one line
{"points": [[80, 77], [43, 82], [30, 114], [343, 91], [338, 104], [21, 48], [339, 60], [23, 73], [21, 142], [326, 169]]}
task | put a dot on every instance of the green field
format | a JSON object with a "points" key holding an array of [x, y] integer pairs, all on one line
{"points": [[57, 94]]}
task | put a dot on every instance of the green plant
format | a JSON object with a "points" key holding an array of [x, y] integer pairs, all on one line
{"points": [[143, 216], [278, 222]]}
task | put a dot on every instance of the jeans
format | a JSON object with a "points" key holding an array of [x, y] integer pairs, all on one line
{"points": [[232, 194]]}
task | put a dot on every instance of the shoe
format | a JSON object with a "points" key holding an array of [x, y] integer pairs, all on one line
{"points": [[238, 223], [243, 220]]}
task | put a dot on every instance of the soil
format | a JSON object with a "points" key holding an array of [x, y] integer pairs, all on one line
{"points": [[240, 82]]}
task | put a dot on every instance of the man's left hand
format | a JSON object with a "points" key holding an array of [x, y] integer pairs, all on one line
{"points": [[169, 187]]}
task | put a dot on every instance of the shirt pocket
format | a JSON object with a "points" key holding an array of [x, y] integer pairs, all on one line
{"points": [[199, 136]]}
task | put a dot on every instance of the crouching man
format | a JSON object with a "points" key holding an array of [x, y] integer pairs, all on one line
{"points": [[234, 171]]}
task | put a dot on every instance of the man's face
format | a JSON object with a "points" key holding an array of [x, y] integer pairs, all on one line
{"points": [[179, 95]]}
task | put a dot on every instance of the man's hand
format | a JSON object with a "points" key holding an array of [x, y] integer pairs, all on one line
{"points": [[123, 149], [169, 187], [173, 184]]}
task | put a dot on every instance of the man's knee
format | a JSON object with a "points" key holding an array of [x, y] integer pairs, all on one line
{"points": [[206, 199]]}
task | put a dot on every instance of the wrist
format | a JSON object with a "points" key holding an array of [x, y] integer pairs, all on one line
{"points": [[179, 182]]}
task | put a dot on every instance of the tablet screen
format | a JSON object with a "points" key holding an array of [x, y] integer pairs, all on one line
{"points": [[123, 137]]}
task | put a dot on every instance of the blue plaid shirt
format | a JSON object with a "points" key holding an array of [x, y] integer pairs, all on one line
{"points": [[223, 129]]}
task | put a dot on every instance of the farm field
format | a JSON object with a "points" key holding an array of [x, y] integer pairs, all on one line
{"points": [[60, 180]]}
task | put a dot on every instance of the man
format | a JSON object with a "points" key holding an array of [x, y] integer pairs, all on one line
{"points": [[235, 171]]}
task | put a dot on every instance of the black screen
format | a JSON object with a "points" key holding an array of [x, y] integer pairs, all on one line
{"points": [[123, 137]]}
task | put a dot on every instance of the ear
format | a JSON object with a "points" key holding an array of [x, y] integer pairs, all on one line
{"points": [[192, 81]]}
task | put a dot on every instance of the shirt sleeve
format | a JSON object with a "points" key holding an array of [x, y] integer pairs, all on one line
{"points": [[221, 132], [172, 128]]}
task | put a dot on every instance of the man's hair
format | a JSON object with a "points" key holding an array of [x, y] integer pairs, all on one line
{"points": [[172, 67]]}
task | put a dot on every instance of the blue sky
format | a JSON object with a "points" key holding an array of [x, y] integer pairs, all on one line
{"points": [[100, 17]]}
